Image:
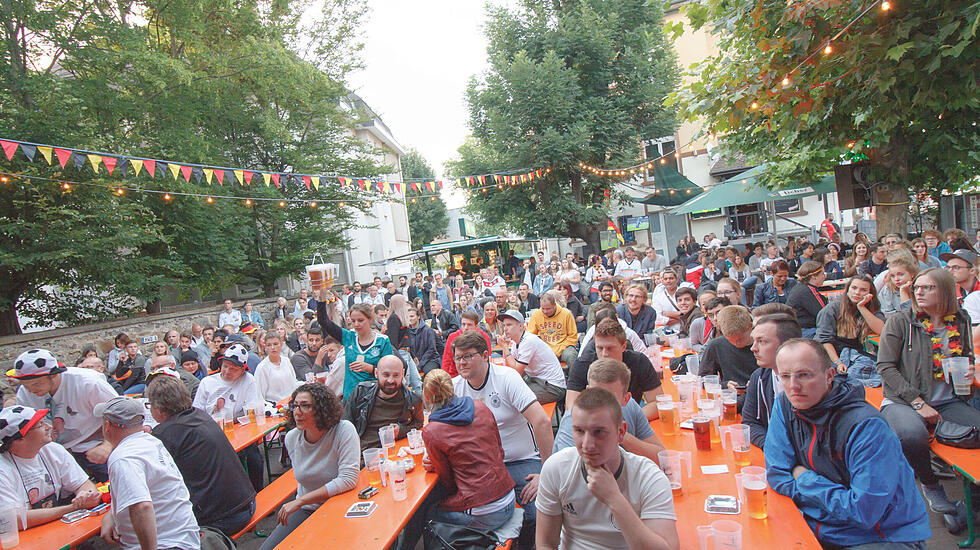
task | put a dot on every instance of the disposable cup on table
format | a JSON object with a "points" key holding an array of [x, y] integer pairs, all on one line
{"points": [[12, 519], [670, 463], [711, 409], [958, 372], [752, 488], [702, 432], [397, 480], [669, 415], [693, 363], [373, 459], [711, 380], [255, 411], [686, 393], [387, 436], [649, 339], [739, 438], [724, 533]]}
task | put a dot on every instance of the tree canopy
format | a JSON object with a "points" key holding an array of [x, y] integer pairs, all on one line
{"points": [[896, 86], [427, 216], [256, 85], [568, 82]]}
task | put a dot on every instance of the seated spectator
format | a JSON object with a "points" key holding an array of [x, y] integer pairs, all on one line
{"points": [[773, 309], [71, 394], [635, 343], [705, 328], [422, 342], [543, 281], [131, 370], [243, 339], [532, 359], [363, 347], [769, 332], [641, 317], [87, 351], [379, 323], [858, 255], [325, 453], [375, 404], [490, 325], [218, 347], [228, 393], [853, 486], [805, 298], [94, 363], [962, 264], [151, 505], [529, 301], [186, 343], [575, 306], [731, 289], [297, 338], [777, 288], [442, 320], [896, 290], [604, 297], [167, 362], [921, 253], [119, 343], [230, 316], [917, 395], [843, 327], [830, 258], [730, 354], [525, 429], [275, 377], [336, 365], [556, 326], [610, 343], [469, 321], [219, 488], [310, 359], [36, 473], [632, 508], [687, 307], [877, 263], [190, 363], [614, 377]]}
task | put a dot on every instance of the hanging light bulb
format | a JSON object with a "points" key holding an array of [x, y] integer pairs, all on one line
{"points": [[120, 191], [885, 5], [340, 204], [663, 161], [4, 179], [785, 81], [313, 204], [433, 199], [282, 203], [66, 186], [754, 106], [413, 200], [368, 204], [827, 50], [166, 196], [248, 202], [210, 200]]}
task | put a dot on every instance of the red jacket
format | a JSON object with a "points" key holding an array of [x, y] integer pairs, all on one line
{"points": [[448, 364], [467, 457]]}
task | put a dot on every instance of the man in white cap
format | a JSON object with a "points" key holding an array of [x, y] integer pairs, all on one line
{"points": [[530, 356], [151, 507], [228, 392], [37, 473], [70, 393]]}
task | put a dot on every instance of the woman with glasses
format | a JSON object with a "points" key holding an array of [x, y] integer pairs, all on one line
{"points": [[914, 343], [729, 288], [805, 298], [325, 452], [844, 324]]}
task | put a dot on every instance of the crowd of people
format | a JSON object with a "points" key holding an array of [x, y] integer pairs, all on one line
{"points": [[567, 331]]}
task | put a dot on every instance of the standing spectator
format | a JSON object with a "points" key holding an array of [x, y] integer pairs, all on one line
{"points": [[556, 326], [513, 265], [877, 263], [830, 451], [325, 453], [469, 321], [730, 355], [275, 377], [829, 228], [363, 347], [525, 429], [845, 324], [252, 316], [769, 332], [36, 473], [151, 506], [897, 289], [805, 298], [652, 263], [595, 276], [777, 288], [621, 500], [357, 296], [230, 316], [642, 318], [532, 359], [398, 332], [442, 293], [630, 267], [917, 395], [376, 404], [422, 342], [373, 298], [219, 488], [573, 305], [119, 347]]}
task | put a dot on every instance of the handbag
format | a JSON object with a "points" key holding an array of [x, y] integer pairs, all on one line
{"points": [[448, 536], [957, 435]]}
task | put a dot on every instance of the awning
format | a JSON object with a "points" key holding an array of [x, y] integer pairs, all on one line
{"points": [[437, 248], [742, 189], [672, 187]]}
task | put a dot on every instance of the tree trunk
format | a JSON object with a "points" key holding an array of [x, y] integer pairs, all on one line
{"points": [[892, 196], [9, 323], [269, 288], [154, 306]]}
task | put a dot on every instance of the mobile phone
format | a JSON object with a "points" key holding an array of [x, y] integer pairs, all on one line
{"points": [[367, 493]]}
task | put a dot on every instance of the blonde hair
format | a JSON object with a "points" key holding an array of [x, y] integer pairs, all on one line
{"points": [[904, 259], [437, 389], [399, 306], [641, 288], [734, 320], [607, 371]]}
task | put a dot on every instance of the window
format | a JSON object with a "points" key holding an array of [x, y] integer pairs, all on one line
{"points": [[788, 206], [399, 221]]}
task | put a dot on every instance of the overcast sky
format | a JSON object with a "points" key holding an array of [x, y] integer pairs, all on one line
{"points": [[418, 57]]}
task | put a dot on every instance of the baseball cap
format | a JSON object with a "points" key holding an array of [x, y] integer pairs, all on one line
{"points": [[16, 421], [35, 363], [234, 339], [967, 256], [513, 314], [123, 411], [237, 354]]}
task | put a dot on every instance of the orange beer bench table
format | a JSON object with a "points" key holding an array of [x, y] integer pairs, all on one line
{"points": [[784, 528]]}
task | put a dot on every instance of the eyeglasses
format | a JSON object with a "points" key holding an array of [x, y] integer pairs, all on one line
{"points": [[302, 407], [465, 358], [727, 293], [923, 288], [955, 267]]}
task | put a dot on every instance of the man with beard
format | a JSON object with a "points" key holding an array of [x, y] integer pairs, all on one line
{"points": [[375, 404]]}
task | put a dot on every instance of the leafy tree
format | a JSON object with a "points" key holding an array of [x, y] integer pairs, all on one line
{"points": [[569, 82], [427, 217], [890, 87]]}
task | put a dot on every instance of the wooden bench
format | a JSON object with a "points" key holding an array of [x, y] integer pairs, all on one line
{"points": [[269, 499]]}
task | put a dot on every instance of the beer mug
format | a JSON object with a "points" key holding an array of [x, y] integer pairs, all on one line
{"points": [[669, 414], [321, 274], [726, 535], [670, 463], [702, 432], [752, 488], [693, 363], [740, 440]]}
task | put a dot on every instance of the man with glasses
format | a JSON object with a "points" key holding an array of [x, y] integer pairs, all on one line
{"points": [[606, 289], [525, 429], [962, 265]]}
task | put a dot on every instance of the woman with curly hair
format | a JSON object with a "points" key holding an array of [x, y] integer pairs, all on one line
{"points": [[326, 455]]}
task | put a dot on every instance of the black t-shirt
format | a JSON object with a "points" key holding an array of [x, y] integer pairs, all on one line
{"points": [[217, 482], [733, 364], [643, 377]]}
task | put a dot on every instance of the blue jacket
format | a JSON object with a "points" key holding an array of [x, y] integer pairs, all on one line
{"points": [[766, 292], [543, 283], [757, 408], [643, 323], [858, 487]]}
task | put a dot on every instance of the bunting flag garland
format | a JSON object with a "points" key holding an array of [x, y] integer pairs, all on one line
{"points": [[316, 182], [343, 182], [266, 177], [248, 177], [29, 151], [275, 180], [109, 163], [398, 188], [239, 175], [95, 160], [220, 176], [46, 152], [186, 172], [9, 148], [137, 164], [174, 169], [415, 186], [306, 182], [207, 175], [63, 156]]}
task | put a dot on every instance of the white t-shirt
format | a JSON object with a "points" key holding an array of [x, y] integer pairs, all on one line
{"points": [[40, 481], [628, 269], [141, 470], [379, 299], [539, 359], [495, 285], [335, 373], [588, 524], [663, 301], [972, 306], [507, 396], [274, 382], [233, 318], [631, 336], [78, 394], [236, 394]]}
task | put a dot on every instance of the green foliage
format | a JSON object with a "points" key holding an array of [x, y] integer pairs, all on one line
{"points": [[427, 218], [207, 81], [893, 85], [568, 82]]}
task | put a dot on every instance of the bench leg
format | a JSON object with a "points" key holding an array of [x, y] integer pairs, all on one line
{"points": [[968, 500]]}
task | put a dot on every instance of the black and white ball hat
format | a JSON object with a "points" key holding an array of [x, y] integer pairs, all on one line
{"points": [[35, 363], [237, 354], [16, 421]]}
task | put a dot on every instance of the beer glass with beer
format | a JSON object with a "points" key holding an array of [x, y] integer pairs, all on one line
{"points": [[321, 275], [373, 460], [669, 414], [670, 463], [752, 490], [729, 402], [702, 432], [740, 439], [711, 409]]}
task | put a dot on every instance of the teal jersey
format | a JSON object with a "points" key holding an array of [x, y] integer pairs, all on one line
{"points": [[373, 353]]}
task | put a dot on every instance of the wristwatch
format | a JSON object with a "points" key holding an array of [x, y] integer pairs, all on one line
{"points": [[918, 405]]}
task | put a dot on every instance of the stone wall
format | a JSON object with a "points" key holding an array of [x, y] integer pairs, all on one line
{"points": [[67, 343]]}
